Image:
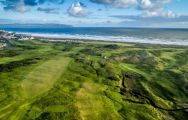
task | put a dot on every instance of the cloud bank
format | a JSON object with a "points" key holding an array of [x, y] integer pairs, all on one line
{"points": [[135, 21], [24, 5], [147, 8], [48, 10], [116, 3]]}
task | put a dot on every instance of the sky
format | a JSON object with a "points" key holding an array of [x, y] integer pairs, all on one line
{"points": [[97, 13]]}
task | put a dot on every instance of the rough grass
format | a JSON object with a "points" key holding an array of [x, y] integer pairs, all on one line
{"points": [[92, 104], [42, 80]]}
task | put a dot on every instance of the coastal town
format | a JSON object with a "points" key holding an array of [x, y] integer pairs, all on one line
{"points": [[4, 36]]}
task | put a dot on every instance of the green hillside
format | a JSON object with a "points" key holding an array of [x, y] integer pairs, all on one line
{"points": [[41, 80]]}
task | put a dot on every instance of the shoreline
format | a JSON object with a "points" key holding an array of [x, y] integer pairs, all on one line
{"points": [[54, 39], [103, 39], [77, 38]]}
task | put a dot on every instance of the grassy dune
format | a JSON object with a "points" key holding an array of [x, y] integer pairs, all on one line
{"points": [[42, 80]]}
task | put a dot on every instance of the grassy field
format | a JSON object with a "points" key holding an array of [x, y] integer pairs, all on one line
{"points": [[41, 80]]}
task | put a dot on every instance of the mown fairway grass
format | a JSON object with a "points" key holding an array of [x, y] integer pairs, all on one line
{"points": [[43, 77], [41, 80]]}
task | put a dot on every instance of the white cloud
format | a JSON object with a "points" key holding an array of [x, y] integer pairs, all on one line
{"points": [[102, 1], [170, 14], [148, 8], [146, 3], [76, 10], [165, 1], [124, 3], [116, 3], [154, 9], [160, 13], [20, 7]]}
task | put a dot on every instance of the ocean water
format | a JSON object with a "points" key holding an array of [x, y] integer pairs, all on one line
{"points": [[140, 35]]}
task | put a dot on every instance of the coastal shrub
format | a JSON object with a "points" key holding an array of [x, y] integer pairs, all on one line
{"points": [[7, 67], [88, 51], [110, 46], [156, 53], [11, 52], [182, 58]]}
